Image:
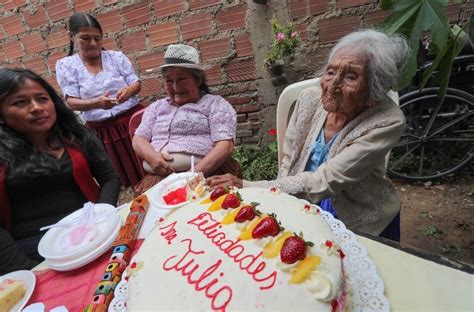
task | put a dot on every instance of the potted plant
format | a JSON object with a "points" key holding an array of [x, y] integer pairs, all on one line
{"points": [[286, 40]]}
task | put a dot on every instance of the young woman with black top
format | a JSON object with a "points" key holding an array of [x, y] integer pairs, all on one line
{"points": [[50, 165]]}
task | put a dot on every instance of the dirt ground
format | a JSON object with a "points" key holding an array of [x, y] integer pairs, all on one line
{"points": [[439, 216], [436, 216]]}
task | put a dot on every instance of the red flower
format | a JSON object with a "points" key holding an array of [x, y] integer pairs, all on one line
{"points": [[272, 132], [133, 265], [328, 244], [307, 207]]}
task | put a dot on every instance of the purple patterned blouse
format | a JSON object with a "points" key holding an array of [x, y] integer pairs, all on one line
{"points": [[117, 72], [191, 128]]}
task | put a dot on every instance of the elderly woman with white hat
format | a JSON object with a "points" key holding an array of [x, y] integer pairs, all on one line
{"points": [[188, 122]]}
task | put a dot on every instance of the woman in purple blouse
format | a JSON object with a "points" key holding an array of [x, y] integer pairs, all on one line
{"points": [[189, 121], [104, 87]]}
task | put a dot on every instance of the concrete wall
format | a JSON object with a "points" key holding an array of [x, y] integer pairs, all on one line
{"points": [[232, 35]]}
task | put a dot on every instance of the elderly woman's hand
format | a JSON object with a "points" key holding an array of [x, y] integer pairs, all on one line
{"points": [[224, 180], [159, 164]]}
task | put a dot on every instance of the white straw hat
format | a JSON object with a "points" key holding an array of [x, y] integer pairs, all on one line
{"points": [[181, 55]]}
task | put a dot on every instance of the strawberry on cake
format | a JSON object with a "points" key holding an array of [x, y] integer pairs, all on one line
{"points": [[247, 249]]}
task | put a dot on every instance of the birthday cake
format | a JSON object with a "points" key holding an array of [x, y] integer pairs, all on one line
{"points": [[255, 249]]}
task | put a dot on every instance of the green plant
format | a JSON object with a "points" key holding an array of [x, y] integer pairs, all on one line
{"points": [[417, 18], [286, 40], [259, 162]]}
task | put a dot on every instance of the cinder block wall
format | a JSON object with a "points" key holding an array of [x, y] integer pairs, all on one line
{"points": [[232, 35]]}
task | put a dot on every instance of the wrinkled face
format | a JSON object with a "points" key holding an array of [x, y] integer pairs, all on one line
{"points": [[344, 83], [89, 42], [181, 86], [29, 110]]}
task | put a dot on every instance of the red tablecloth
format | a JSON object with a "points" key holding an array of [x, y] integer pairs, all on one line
{"points": [[72, 289]]}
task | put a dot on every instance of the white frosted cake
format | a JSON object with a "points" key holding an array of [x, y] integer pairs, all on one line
{"points": [[205, 257]]}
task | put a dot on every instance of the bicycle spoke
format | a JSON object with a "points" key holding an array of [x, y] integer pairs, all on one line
{"points": [[433, 116], [422, 155], [449, 124], [441, 153], [402, 143], [397, 162], [451, 139]]}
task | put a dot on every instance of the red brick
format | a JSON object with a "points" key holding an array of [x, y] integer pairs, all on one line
{"points": [[239, 100], [57, 39], [168, 7], [110, 21], [453, 11], [150, 61], [302, 30], [14, 65], [195, 26], [12, 4], [213, 49], [13, 50], [246, 108], [133, 42], [34, 43], [53, 58], [198, 4], [298, 8], [243, 45], [37, 19], [150, 87], [36, 65], [232, 18], [342, 4], [332, 29], [317, 7], [163, 34], [136, 14], [214, 76], [375, 18], [110, 44], [241, 71], [58, 10], [84, 5], [12, 25]]}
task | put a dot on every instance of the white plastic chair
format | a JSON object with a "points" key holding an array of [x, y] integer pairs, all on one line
{"points": [[286, 100]]}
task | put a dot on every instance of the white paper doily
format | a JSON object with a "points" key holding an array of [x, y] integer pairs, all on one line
{"points": [[366, 285]]}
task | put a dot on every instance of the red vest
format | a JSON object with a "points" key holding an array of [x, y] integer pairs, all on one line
{"points": [[80, 171]]}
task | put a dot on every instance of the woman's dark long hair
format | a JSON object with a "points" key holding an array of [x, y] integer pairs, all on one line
{"points": [[78, 21], [17, 154]]}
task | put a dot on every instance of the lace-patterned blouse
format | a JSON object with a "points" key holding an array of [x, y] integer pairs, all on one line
{"points": [[191, 128], [117, 72]]}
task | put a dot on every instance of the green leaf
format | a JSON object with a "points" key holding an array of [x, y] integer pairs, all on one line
{"points": [[386, 4], [470, 30], [412, 18]]}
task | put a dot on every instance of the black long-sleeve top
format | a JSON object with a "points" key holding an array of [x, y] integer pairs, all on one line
{"points": [[36, 202]]}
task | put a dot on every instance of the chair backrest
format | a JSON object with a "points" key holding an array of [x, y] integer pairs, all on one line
{"points": [[133, 124], [286, 101]]}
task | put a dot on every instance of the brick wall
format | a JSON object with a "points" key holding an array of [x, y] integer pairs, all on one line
{"points": [[232, 35]]}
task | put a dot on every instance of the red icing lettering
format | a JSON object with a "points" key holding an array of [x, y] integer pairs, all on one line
{"points": [[221, 297], [170, 234], [233, 249]]}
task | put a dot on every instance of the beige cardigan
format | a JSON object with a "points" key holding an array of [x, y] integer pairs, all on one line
{"points": [[354, 174]]}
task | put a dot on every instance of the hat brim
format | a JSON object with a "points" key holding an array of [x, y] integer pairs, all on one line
{"points": [[187, 65]]}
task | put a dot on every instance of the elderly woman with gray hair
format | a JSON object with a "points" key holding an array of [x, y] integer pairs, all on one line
{"points": [[340, 133]]}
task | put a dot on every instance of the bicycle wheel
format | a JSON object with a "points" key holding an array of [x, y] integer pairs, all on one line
{"points": [[438, 139]]}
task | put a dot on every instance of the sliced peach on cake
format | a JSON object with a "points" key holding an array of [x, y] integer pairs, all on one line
{"points": [[217, 204], [304, 269], [272, 249], [230, 217]]}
